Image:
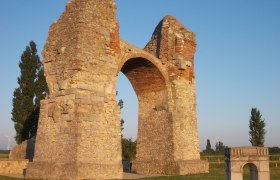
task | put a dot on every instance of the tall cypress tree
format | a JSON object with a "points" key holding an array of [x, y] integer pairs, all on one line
{"points": [[256, 125], [32, 88], [40, 93], [208, 149]]}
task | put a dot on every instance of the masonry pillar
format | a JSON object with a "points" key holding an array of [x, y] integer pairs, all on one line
{"points": [[79, 135], [175, 46]]}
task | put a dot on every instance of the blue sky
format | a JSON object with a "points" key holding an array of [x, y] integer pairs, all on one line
{"points": [[237, 60]]}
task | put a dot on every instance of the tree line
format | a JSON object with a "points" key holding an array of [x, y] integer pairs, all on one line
{"points": [[219, 148]]}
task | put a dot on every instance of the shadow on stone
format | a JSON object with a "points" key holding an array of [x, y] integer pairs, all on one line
{"points": [[25, 150], [127, 166]]}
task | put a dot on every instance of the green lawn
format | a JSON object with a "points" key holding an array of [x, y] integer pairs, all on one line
{"points": [[217, 172], [4, 155], [274, 173], [9, 178]]}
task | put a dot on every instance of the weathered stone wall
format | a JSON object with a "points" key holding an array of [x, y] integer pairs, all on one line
{"points": [[175, 46], [79, 132], [15, 167], [79, 135]]}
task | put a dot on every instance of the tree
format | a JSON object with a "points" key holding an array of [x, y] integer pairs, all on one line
{"points": [[40, 93], [208, 149], [256, 125], [128, 149], [128, 146], [274, 150], [32, 88], [120, 103], [220, 148]]}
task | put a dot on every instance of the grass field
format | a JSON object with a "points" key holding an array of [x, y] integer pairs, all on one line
{"points": [[9, 178], [216, 173], [4, 155]]}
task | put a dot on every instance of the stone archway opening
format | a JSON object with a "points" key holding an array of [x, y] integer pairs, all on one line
{"points": [[129, 112], [150, 88], [250, 172], [129, 120]]}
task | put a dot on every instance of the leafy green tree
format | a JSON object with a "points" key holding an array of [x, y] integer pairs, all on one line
{"points": [[128, 149], [220, 148], [40, 93], [32, 88], [41, 86], [208, 149], [274, 150], [128, 146], [120, 103], [257, 128]]}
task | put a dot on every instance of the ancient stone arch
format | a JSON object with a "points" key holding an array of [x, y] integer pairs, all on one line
{"points": [[79, 134], [256, 157]]}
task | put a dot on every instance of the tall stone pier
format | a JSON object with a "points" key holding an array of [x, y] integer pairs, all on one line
{"points": [[79, 135]]}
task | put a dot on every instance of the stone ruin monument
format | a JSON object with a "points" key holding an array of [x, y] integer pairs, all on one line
{"points": [[79, 134], [256, 157]]}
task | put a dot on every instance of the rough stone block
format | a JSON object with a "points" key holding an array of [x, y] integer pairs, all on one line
{"points": [[12, 166]]}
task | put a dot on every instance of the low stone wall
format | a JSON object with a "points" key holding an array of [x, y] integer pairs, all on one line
{"points": [[38, 170], [10, 166], [193, 167], [170, 168]]}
